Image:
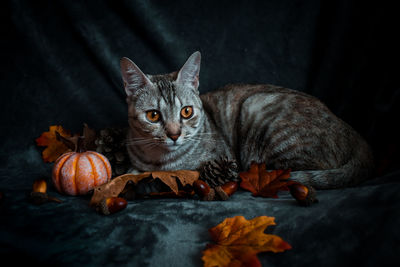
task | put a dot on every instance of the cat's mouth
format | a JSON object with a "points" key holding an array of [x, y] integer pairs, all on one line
{"points": [[173, 145]]}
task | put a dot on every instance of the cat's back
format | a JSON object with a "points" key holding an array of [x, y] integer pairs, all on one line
{"points": [[230, 100], [282, 127], [244, 106]]}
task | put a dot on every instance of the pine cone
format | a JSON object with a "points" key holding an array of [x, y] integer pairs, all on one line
{"points": [[111, 142], [220, 171]]}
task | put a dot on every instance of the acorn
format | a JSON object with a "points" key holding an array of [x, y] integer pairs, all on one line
{"points": [[112, 205], [226, 190], [223, 192], [39, 193], [40, 186], [203, 190], [230, 187], [305, 195], [220, 194]]}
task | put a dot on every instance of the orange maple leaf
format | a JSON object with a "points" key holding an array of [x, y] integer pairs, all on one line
{"points": [[239, 240], [54, 147], [263, 183]]}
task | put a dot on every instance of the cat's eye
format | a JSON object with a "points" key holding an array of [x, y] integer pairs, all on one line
{"points": [[187, 112], [153, 115]]}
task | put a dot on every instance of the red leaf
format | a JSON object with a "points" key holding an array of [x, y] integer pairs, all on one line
{"points": [[265, 183]]}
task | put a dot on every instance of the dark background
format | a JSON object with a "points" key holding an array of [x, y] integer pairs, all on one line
{"points": [[57, 55], [60, 63]]}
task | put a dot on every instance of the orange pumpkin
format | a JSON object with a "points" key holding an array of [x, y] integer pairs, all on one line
{"points": [[76, 173]]}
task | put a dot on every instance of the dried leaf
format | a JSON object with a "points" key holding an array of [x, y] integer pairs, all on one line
{"points": [[171, 194], [114, 187], [80, 143], [169, 178], [71, 142], [54, 148], [89, 137], [265, 183], [238, 241]]}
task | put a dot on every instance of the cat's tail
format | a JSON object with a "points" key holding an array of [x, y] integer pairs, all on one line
{"points": [[359, 168]]}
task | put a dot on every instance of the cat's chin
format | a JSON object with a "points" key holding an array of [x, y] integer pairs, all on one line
{"points": [[172, 147]]}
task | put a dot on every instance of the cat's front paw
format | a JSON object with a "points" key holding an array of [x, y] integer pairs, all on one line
{"points": [[133, 171]]}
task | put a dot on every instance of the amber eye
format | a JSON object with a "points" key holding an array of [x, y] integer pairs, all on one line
{"points": [[153, 115], [187, 112]]}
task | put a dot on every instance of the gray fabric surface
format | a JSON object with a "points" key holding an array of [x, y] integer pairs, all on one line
{"points": [[354, 226]]}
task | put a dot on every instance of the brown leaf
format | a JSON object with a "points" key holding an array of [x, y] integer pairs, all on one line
{"points": [[114, 187], [117, 185], [169, 178], [171, 194], [70, 142], [54, 148], [265, 183], [238, 241], [80, 143], [89, 137]]}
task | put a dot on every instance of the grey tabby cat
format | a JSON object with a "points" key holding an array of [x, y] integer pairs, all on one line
{"points": [[173, 127]]}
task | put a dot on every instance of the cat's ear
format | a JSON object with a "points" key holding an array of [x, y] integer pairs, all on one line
{"points": [[189, 73], [133, 77]]}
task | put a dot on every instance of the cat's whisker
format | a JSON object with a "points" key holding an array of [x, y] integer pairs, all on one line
{"points": [[140, 139], [137, 142], [141, 142], [204, 134], [203, 138]]}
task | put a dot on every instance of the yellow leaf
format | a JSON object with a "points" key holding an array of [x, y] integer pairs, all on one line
{"points": [[239, 240]]}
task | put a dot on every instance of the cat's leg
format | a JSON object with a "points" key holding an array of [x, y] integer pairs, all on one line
{"points": [[134, 171]]}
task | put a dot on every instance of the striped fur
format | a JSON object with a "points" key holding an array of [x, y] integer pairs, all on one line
{"points": [[262, 123], [289, 129]]}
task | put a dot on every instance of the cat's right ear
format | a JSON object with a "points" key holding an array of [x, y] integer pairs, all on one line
{"points": [[133, 77], [189, 73]]}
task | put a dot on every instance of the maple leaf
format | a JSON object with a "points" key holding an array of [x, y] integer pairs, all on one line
{"points": [[169, 178], [238, 241], [54, 148], [265, 183]]}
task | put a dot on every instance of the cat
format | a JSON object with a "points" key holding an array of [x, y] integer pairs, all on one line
{"points": [[172, 126]]}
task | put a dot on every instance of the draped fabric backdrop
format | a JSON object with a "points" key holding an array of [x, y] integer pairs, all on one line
{"points": [[60, 66]]}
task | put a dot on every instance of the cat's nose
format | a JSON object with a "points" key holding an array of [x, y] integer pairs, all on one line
{"points": [[173, 130], [174, 137]]}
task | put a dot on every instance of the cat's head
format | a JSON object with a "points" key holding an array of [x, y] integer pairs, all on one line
{"points": [[163, 110]]}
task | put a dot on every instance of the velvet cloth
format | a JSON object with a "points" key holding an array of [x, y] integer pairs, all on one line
{"points": [[60, 66]]}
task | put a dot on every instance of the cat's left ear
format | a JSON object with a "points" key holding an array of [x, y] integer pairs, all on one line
{"points": [[133, 77], [189, 73]]}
